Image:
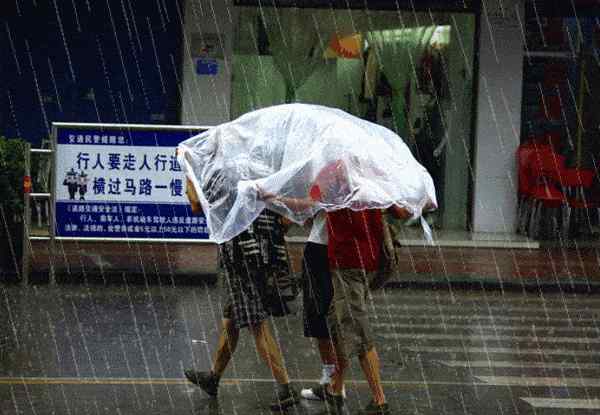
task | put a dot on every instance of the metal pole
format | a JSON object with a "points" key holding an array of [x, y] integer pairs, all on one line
{"points": [[52, 219], [26, 216], [580, 106]]}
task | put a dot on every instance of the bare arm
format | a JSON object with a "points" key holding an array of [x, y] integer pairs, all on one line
{"points": [[295, 204], [192, 196], [399, 212], [429, 206], [286, 223], [292, 203]]}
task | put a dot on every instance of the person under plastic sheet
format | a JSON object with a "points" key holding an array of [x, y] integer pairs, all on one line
{"points": [[281, 147], [317, 293], [354, 254], [256, 274]]}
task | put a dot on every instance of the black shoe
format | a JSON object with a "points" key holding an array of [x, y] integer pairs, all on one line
{"points": [[285, 400], [373, 409], [335, 403], [206, 380]]}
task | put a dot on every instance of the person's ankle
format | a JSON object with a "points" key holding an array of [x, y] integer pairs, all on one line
{"points": [[333, 392], [283, 388], [379, 401]]}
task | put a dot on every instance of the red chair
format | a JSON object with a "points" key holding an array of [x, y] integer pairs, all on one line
{"points": [[525, 153], [577, 183], [573, 183], [545, 169]]}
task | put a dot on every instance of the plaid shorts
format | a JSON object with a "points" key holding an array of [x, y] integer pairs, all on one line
{"points": [[257, 282], [245, 297]]}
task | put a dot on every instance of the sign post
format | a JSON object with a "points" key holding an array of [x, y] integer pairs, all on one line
{"points": [[26, 216]]}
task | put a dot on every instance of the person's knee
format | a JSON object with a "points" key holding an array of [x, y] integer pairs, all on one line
{"points": [[229, 329], [262, 338], [366, 351], [341, 364], [258, 330], [228, 324]]}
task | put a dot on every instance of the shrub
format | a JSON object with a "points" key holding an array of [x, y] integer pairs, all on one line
{"points": [[12, 170]]}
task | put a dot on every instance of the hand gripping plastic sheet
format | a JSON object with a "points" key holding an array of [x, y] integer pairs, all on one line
{"points": [[300, 152]]}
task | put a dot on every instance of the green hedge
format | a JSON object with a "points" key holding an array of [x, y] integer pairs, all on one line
{"points": [[12, 170]]}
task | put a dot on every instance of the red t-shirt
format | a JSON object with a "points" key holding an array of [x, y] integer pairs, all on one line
{"points": [[354, 239], [354, 236]]}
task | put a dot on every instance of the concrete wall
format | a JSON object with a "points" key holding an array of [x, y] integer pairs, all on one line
{"points": [[206, 98], [498, 116]]}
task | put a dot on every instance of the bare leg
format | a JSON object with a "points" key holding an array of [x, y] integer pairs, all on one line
{"points": [[228, 340], [327, 351], [270, 352], [369, 362], [337, 380]]}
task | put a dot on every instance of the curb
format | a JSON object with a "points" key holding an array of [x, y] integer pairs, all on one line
{"points": [[408, 280], [559, 284]]}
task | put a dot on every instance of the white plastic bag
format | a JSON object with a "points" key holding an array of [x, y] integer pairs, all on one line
{"points": [[294, 150]]}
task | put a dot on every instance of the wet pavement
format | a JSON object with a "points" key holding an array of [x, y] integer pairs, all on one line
{"points": [[93, 349]]}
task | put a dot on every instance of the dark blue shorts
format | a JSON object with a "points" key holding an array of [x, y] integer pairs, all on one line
{"points": [[317, 290]]}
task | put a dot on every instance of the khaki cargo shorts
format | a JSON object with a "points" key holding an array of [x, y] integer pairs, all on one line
{"points": [[347, 317]]}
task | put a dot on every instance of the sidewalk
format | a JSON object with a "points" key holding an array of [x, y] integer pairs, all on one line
{"points": [[568, 268], [438, 265]]}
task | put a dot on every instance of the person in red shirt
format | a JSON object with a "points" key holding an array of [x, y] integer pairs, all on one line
{"points": [[354, 254]]}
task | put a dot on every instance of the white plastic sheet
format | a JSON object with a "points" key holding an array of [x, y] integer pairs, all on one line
{"points": [[300, 151]]}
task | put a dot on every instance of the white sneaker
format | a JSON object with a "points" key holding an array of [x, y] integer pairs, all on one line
{"points": [[326, 373], [310, 395]]}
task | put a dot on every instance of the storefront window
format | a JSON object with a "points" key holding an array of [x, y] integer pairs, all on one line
{"points": [[410, 72]]}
